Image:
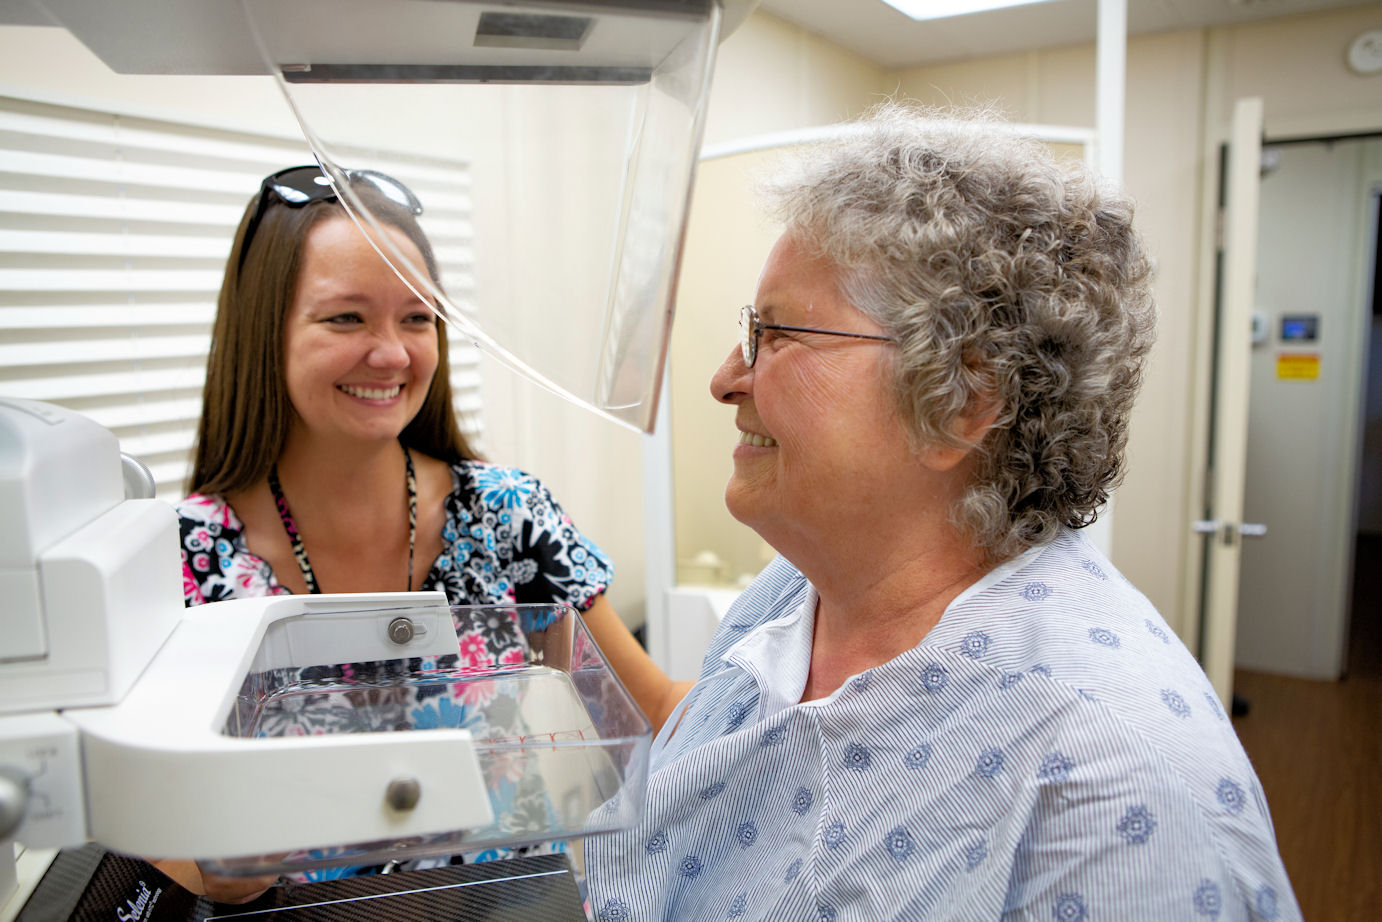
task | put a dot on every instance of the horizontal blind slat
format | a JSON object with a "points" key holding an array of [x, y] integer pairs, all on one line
{"points": [[145, 413], [133, 349], [15, 203], [61, 243], [102, 280], [136, 382], [116, 314], [120, 172], [79, 125]]}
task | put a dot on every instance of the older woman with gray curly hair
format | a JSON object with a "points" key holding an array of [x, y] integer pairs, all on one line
{"points": [[941, 701]]}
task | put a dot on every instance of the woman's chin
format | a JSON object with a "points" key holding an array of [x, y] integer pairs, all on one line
{"points": [[746, 503]]}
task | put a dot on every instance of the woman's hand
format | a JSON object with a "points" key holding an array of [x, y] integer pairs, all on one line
{"points": [[222, 889]]}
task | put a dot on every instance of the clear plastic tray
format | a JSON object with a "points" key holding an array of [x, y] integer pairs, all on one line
{"points": [[561, 746]]}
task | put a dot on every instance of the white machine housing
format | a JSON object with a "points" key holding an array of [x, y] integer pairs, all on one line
{"points": [[91, 582], [113, 697]]}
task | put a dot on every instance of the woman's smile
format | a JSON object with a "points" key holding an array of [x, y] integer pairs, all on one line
{"points": [[756, 440], [370, 393]]}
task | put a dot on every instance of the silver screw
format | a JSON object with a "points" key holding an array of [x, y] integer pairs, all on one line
{"points": [[403, 793], [400, 630]]}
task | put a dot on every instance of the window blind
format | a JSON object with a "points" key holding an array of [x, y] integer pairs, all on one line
{"points": [[114, 231]]}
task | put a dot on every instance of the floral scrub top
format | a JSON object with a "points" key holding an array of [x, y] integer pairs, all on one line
{"points": [[505, 541]]}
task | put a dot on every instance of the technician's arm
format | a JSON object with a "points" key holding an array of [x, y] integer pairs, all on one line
{"points": [[655, 694], [221, 889]]}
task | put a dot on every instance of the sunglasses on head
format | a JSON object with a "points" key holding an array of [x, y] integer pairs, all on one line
{"points": [[301, 185]]}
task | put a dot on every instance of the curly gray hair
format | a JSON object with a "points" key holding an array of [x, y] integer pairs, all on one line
{"points": [[1010, 280]]}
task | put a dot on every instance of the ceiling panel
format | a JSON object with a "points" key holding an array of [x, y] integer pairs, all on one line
{"points": [[880, 33]]}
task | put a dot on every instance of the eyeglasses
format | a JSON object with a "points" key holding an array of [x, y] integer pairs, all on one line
{"points": [[299, 185], [751, 328]]}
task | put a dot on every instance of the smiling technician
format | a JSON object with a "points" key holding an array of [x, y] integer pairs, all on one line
{"points": [[328, 457]]}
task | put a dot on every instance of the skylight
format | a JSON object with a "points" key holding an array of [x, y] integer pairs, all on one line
{"points": [[941, 9]]}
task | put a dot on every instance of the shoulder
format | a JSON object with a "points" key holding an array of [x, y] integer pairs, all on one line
{"points": [[775, 593], [217, 563], [1065, 616], [487, 476], [202, 509], [482, 487], [1064, 643]]}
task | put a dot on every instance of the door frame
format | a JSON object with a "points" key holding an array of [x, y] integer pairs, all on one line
{"points": [[1277, 129]]}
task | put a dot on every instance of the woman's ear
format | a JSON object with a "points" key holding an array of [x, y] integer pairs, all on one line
{"points": [[968, 429]]}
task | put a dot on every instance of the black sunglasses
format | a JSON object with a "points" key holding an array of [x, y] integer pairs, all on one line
{"points": [[300, 185]]}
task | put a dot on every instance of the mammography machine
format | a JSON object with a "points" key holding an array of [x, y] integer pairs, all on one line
{"points": [[218, 733], [223, 734]]}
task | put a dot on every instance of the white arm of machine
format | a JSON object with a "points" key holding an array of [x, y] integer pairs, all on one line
{"points": [[159, 754], [114, 698]]}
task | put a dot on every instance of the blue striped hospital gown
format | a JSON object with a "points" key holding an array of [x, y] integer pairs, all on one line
{"points": [[1050, 751]]}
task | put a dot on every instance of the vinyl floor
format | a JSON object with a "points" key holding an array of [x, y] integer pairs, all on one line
{"points": [[1317, 747]]}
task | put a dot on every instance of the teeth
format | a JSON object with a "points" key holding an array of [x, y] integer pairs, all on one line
{"points": [[756, 440], [372, 393]]}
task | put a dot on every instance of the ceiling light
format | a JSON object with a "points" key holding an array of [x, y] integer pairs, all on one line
{"points": [[941, 9]]}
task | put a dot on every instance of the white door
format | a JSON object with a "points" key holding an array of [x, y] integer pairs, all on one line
{"points": [[1222, 528]]}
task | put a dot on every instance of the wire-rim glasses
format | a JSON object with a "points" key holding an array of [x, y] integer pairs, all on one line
{"points": [[751, 329], [297, 186]]}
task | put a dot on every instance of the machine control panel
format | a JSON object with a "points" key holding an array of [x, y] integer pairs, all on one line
{"points": [[39, 756]]}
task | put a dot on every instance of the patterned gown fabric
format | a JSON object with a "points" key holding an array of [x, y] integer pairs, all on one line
{"points": [[1050, 751]]}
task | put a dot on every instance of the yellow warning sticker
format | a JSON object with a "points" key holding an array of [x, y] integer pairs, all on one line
{"points": [[1298, 366]]}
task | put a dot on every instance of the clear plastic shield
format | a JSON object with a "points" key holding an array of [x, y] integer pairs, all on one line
{"points": [[562, 748], [577, 127]]}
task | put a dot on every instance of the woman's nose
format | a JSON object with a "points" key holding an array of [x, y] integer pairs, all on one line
{"points": [[388, 351], [731, 381]]}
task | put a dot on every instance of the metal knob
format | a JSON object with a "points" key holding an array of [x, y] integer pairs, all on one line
{"points": [[403, 793], [401, 630], [14, 800], [138, 479]]}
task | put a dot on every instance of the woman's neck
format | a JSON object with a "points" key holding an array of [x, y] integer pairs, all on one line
{"points": [[882, 593], [317, 475]]}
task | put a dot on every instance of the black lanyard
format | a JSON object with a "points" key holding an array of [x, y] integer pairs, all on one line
{"points": [[300, 552]]}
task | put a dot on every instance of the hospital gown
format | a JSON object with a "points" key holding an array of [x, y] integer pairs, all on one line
{"points": [[1049, 751]]}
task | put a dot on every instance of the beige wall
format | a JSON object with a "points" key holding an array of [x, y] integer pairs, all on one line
{"points": [[770, 77], [1180, 91]]}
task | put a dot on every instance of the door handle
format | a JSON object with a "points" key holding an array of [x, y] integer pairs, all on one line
{"points": [[1228, 531]]}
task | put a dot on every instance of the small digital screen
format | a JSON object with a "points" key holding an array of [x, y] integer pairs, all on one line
{"points": [[1301, 328]]}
